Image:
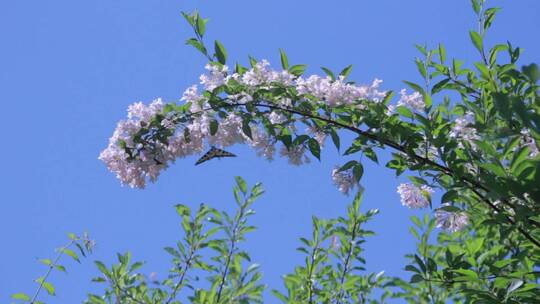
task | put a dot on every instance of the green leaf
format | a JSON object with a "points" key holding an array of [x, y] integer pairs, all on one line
{"points": [[189, 18], [335, 138], [416, 278], [442, 53], [449, 196], [358, 172], [476, 6], [220, 52], [346, 71], [414, 86], [60, 268], [489, 16], [47, 262], [200, 27], [412, 268], [20, 296], [439, 86], [284, 60], [347, 165], [421, 67], [246, 128], [213, 127], [72, 254], [329, 73], [314, 148], [418, 181], [297, 70], [477, 41], [494, 51], [405, 112], [241, 184], [532, 72], [197, 44], [467, 274], [49, 287], [102, 268], [182, 210]]}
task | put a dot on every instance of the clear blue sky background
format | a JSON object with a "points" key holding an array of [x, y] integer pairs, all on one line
{"points": [[69, 69]]}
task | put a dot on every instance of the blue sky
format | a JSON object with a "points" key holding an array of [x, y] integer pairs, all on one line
{"points": [[69, 69]]}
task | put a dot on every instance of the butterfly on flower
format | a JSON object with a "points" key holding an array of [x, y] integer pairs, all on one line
{"points": [[214, 153]]}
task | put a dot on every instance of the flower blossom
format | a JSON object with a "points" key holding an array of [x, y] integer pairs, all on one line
{"points": [[337, 92], [414, 101], [262, 74], [530, 143], [135, 161], [463, 131], [344, 180], [115, 156], [295, 154], [216, 77], [413, 196], [451, 221]]}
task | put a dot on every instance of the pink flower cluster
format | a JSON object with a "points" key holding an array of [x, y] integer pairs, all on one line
{"points": [[414, 101], [413, 196], [344, 180], [463, 130], [194, 136], [451, 221], [338, 92], [115, 156], [528, 141]]}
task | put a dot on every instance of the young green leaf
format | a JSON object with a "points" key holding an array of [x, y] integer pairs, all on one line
{"points": [[284, 60], [219, 52]]}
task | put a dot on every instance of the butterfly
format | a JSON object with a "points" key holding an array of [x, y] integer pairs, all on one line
{"points": [[214, 153]]}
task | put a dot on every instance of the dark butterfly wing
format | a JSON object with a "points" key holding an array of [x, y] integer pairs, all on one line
{"points": [[214, 153]]}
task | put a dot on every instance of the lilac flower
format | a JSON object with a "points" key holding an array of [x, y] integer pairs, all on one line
{"points": [[529, 141], [262, 74], [318, 134], [335, 92], [414, 101], [451, 221], [295, 154], [136, 163], [463, 131], [344, 180], [414, 197], [276, 118], [216, 77]]}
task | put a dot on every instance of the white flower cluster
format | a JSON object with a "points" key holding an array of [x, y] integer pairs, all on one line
{"points": [[344, 180], [413, 196], [530, 143], [463, 131], [216, 77], [263, 75], [414, 101], [451, 221], [147, 160], [116, 158], [338, 92]]}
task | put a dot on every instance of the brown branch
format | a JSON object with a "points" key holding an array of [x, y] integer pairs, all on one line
{"points": [[473, 185]]}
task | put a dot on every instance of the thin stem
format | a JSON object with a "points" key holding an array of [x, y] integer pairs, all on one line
{"points": [[49, 270], [183, 270], [230, 253], [310, 273], [347, 261]]}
